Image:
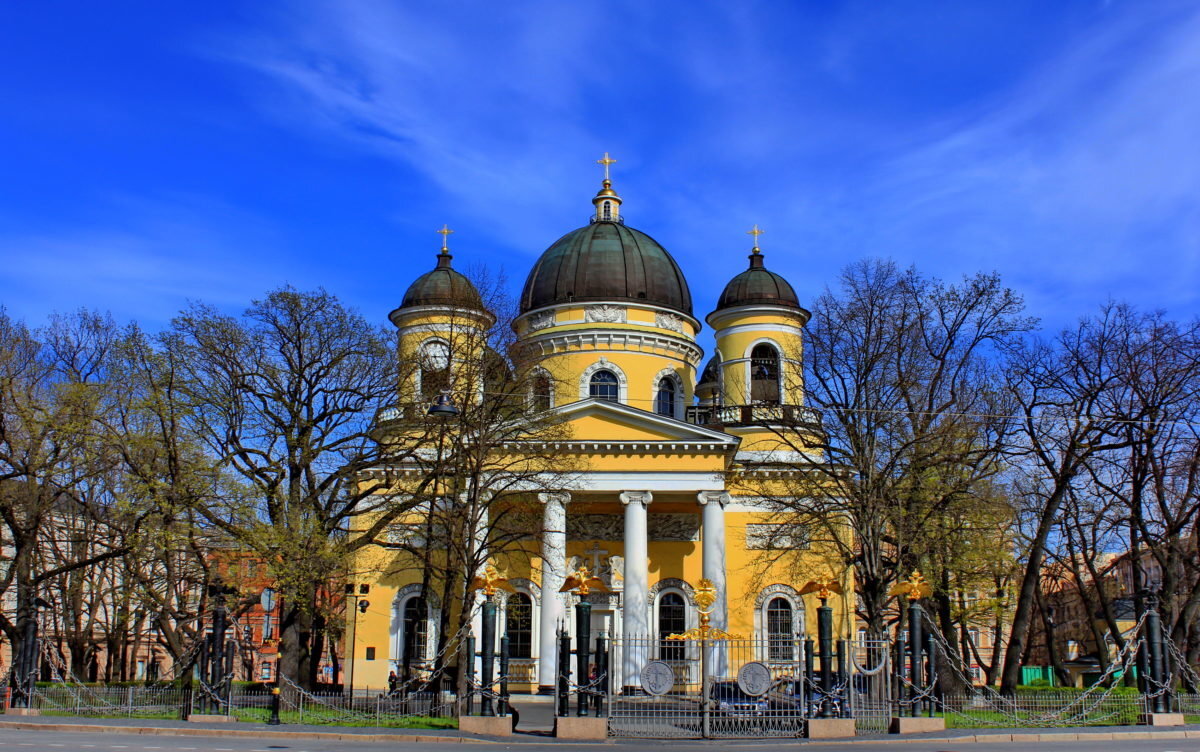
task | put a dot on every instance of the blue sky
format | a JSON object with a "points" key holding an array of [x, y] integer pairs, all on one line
{"points": [[153, 152]]}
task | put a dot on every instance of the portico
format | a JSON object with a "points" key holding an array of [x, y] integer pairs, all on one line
{"points": [[624, 563]]}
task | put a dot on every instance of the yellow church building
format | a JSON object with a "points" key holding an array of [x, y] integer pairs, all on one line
{"points": [[673, 462]]}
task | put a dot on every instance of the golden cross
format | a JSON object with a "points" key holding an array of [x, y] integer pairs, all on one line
{"points": [[606, 162], [755, 232], [445, 233]]}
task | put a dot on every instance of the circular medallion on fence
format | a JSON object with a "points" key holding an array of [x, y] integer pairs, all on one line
{"points": [[657, 678], [754, 678]]}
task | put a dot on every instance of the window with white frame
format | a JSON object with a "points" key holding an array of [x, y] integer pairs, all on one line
{"points": [[672, 619], [780, 634], [604, 385]]}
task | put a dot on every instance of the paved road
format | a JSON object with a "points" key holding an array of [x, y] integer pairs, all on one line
{"points": [[58, 741]]}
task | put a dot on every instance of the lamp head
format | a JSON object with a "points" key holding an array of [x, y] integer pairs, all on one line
{"points": [[442, 407]]}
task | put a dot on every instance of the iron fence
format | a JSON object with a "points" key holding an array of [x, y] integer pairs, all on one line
{"points": [[704, 698], [112, 702]]}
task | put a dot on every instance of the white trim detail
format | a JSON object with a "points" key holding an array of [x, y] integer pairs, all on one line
{"points": [[604, 364], [673, 375], [739, 328], [788, 593]]}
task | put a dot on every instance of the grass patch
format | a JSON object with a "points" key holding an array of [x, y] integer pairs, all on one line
{"points": [[326, 717]]}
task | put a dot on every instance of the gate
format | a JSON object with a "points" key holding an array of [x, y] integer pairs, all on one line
{"points": [[871, 690], [690, 688]]}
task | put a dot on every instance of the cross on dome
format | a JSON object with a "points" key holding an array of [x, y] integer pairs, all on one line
{"points": [[755, 232], [445, 232]]}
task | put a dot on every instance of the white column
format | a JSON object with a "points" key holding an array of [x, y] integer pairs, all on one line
{"points": [[634, 610], [554, 572], [713, 566], [712, 504]]}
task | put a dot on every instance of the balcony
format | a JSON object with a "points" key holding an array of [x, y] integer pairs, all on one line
{"points": [[754, 415]]}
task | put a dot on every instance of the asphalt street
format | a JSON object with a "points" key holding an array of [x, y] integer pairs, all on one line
{"points": [[59, 741]]}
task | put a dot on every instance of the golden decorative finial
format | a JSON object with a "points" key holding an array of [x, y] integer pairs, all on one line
{"points": [[581, 583], [445, 233], [706, 596], [755, 232], [606, 162], [491, 581], [823, 589], [915, 588]]}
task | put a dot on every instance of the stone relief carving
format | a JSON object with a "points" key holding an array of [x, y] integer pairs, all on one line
{"points": [[768, 537], [541, 321], [604, 314], [607, 527], [668, 321]]}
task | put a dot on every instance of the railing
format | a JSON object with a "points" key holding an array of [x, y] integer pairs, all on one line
{"points": [[750, 415]]}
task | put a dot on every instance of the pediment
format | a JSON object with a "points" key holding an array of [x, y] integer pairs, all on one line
{"points": [[594, 420]]}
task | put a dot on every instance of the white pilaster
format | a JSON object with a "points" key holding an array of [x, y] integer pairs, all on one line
{"points": [[554, 572], [634, 611]]}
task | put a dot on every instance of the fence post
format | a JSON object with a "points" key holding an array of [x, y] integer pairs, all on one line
{"points": [[487, 650], [564, 673], [915, 659], [1157, 682], [843, 671], [504, 649], [601, 674], [809, 677], [583, 639], [825, 643], [129, 701]]}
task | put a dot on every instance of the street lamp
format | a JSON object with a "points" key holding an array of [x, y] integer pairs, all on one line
{"points": [[360, 607], [442, 407]]}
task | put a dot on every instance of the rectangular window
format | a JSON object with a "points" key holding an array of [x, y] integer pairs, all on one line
{"points": [[370, 654], [264, 672], [268, 627]]}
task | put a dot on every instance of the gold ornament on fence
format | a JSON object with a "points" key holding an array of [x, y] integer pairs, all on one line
{"points": [[915, 588], [490, 581], [580, 583], [823, 589], [706, 596]]}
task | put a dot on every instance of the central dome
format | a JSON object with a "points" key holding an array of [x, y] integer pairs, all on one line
{"points": [[606, 261]]}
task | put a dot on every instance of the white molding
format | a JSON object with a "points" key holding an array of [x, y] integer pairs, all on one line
{"points": [[787, 592], [739, 328], [604, 364], [616, 340], [695, 322], [673, 375], [715, 317], [686, 432], [636, 497]]}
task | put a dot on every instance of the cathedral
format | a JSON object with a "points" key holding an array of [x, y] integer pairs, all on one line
{"points": [[676, 459]]}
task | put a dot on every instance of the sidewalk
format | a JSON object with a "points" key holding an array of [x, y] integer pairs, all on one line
{"points": [[299, 732]]}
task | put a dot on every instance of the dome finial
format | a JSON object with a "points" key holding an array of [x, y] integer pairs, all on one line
{"points": [[755, 232], [607, 202], [444, 256], [755, 252]]}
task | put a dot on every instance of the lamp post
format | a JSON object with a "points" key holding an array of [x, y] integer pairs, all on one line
{"points": [[361, 604]]}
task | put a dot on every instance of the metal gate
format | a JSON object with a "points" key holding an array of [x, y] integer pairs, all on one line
{"points": [[695, 692], [871, 690]]}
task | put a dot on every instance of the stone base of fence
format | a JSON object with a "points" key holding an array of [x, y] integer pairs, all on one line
{"points": [[574, 727], [1161, 719], [22, 711], [829, 728], [904, 725], [488, 725], [210, 718]]}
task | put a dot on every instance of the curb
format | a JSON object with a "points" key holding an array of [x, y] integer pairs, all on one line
{"points": [[328, 736], [1066, 736]]}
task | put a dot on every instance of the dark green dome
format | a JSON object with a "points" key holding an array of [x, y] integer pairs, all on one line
{"points": [[606, 261], [442, 286], [757, 286]]}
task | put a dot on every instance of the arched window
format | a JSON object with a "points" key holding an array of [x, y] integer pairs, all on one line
{"points": [[518, 622], [672, 619], [604, 386], [541, 392], [608, 210], [665, 398], [416, 627], [764, 375], [780, 638]]}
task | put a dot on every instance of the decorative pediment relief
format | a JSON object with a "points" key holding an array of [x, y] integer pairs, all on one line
{"points": [[669, 321], [611, 527], [604, 314]]}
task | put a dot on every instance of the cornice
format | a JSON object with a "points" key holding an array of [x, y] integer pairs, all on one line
{"points": [[615, 340]]}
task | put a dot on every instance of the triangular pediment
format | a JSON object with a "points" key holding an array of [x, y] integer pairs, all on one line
{"points": [[594, 420]]}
